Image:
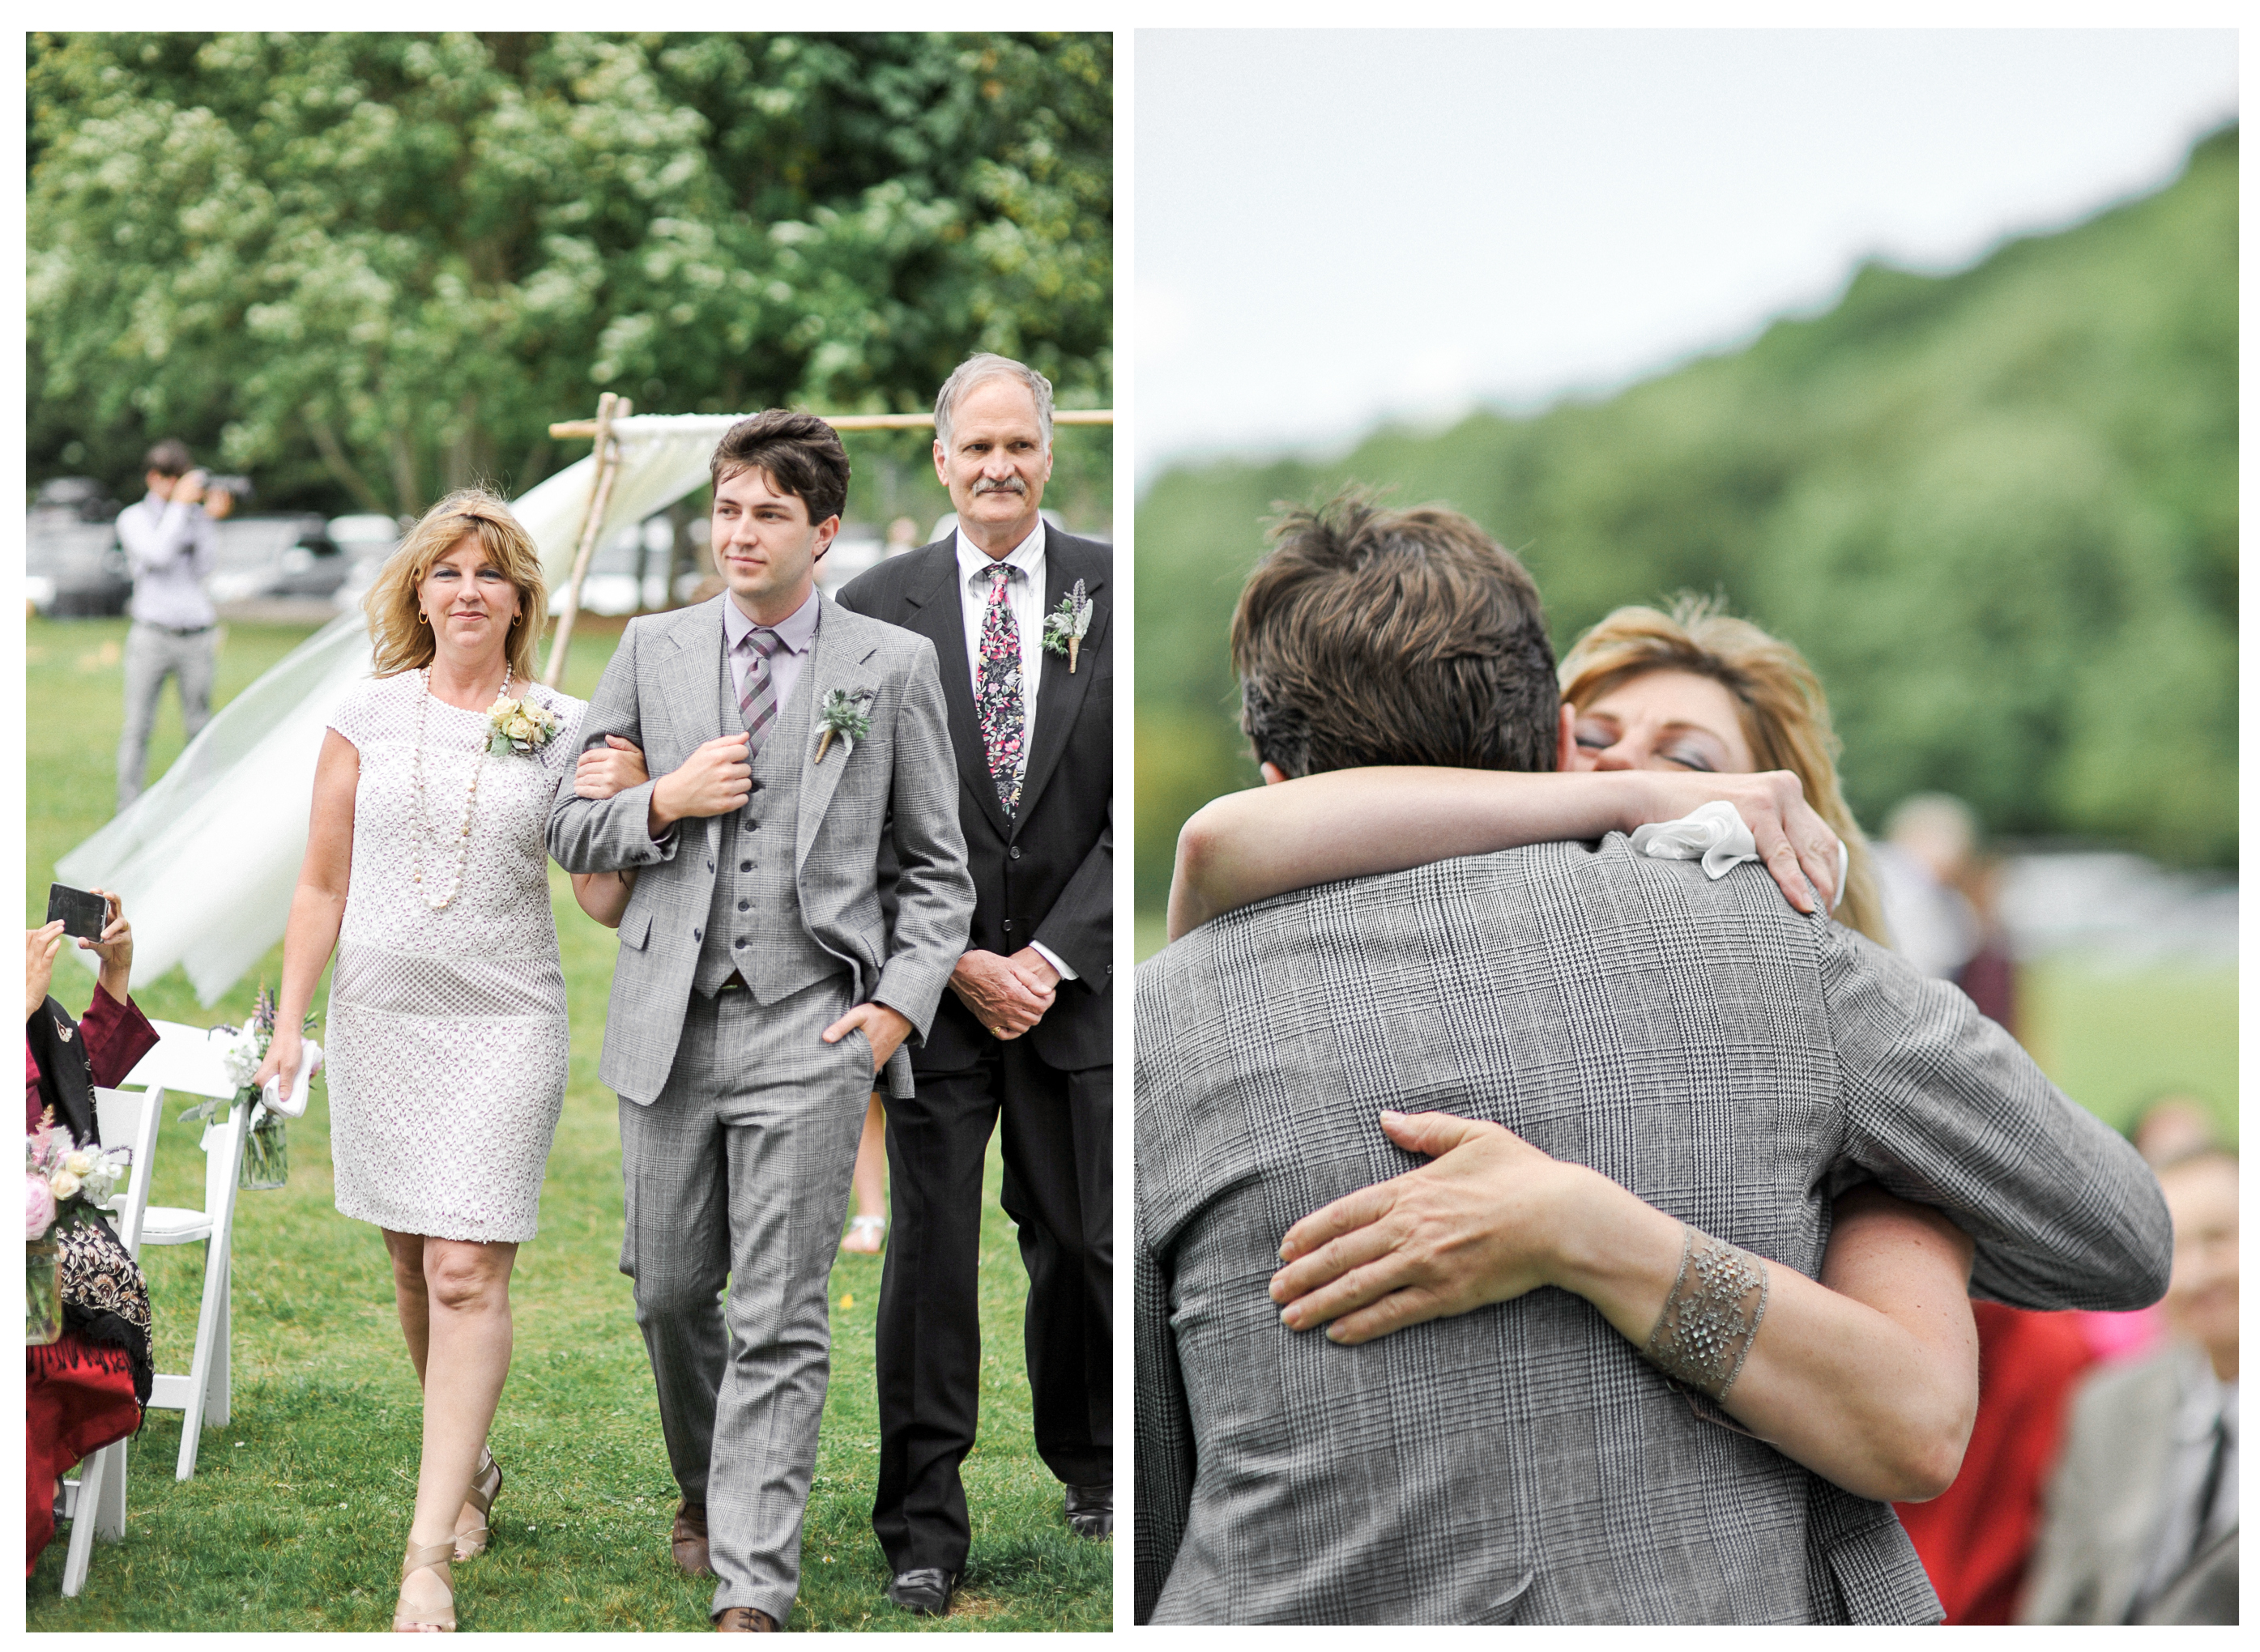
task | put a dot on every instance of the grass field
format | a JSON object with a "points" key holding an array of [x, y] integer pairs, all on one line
{"points": [[299, 1508]]}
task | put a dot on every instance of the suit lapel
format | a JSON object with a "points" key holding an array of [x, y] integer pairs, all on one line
{"points": [[687, 675], [937, 613], [1060, 696], [839, 660]]}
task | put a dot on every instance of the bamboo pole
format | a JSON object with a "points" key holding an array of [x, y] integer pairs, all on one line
{"points": [[609, 407], [570, 430]]}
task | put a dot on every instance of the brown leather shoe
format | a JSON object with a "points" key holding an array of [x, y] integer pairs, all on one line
{"points": [[744, 1621], [688, 1540]]}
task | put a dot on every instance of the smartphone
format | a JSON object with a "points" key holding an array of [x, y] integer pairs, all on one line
{"points": [[83, 915]]}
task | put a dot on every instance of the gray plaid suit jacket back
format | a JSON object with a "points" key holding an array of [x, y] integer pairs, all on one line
{"points": [[1729, 1061], [660, 691]]}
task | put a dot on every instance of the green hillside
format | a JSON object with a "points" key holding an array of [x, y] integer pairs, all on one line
{"points": [[1996, 509]]}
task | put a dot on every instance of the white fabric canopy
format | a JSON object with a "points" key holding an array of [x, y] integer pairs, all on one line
{"points": [[206, 858]]}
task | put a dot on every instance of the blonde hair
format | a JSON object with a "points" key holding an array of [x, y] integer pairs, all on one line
{"points": [[1785, 715], [403, 640]]}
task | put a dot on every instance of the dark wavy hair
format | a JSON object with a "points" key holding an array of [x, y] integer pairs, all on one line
{"points": [[799, 452], [1367, 635]]}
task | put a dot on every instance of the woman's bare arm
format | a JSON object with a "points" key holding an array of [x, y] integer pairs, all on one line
{"points": [[603, 895], [1868, 1377], [600, 772], [1248, 846], [318, 907]]}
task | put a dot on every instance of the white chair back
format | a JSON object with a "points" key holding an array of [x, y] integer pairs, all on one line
{"points": [[129, 1119]]}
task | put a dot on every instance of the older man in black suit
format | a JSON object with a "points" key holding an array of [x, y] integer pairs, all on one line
{"points": [[1019, 613]]}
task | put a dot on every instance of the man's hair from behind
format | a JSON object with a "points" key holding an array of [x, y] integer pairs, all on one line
{"points": [[1367, 635], [799, 453], [169, 459]]}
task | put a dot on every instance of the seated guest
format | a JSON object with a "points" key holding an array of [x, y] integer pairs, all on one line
{"points": [[2142, 1513], [88, 1388]]}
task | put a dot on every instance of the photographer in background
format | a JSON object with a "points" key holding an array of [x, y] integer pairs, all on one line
{"points": [[171, 544]]}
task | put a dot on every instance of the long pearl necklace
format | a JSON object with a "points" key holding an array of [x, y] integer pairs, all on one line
{"points": [[424, 815]]}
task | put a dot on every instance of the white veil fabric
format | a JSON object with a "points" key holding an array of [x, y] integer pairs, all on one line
{"points": [[206, 860]]}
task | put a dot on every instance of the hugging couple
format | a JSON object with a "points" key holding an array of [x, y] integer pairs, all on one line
{"points": [[1544, 1213]]}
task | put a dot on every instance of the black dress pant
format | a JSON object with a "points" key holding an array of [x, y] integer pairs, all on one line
{"points": [[1058, 1180]]}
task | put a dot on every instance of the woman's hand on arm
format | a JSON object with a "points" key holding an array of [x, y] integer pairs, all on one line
{"points": [[1868, 1378], [606, 770], [115, 973], [1248, 846], [318, 907]]}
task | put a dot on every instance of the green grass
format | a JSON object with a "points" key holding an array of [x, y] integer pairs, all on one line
{"points": [[299, 1508]]}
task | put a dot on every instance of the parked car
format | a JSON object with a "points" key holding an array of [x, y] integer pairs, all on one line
{"points": [[366, 542], [275, 556], [74, 567]]}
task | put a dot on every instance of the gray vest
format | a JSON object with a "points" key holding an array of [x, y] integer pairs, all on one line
{"points": [[753, 926]]}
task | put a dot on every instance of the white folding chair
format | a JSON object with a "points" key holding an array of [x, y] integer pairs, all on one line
{"points": [[95, 1502], [186, 1061]]}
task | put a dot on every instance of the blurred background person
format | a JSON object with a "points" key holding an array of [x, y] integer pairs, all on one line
{"points": [[171, 543], [2142, 1522]]}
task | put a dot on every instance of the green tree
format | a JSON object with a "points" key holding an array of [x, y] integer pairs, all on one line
{"points": [[375, 266], [1996, 509]]}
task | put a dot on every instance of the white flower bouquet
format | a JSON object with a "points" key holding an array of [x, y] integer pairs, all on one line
{"points": [[522, 726], [65, 1183]]}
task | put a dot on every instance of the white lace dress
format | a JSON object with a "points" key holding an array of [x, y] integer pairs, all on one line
{"points": [[446, 1037]]}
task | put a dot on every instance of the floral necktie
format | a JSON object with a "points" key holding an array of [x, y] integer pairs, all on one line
{"points": [[997, 696]]}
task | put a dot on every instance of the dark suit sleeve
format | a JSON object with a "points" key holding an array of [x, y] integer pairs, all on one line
{"points": [[1165, 1434], [933, 891], [1945, 1109], [613, 835], [1080, 926]]}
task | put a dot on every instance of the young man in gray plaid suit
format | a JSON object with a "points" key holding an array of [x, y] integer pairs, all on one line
{"points": [[1729, 1060], [759, 992]]}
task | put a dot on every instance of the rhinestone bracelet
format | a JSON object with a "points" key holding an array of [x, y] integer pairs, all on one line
{"points": [[1712, 1316]]}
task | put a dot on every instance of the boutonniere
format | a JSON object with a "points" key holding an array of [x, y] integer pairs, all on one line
{"points": [[849, 719], [521, 725], [1065, 626]]}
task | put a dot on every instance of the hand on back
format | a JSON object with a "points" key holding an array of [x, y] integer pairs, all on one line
{"points": [[1795, 845]]}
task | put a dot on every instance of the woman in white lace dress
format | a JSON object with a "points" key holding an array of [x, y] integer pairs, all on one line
{"points": [[447, 1043]]}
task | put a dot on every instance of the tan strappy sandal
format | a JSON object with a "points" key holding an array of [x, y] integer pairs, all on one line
{"points": [[430, 1557], [486, 1485]]}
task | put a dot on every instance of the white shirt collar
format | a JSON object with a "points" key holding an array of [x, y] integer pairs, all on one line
{"points": [[1027, 556], [795, 630]]}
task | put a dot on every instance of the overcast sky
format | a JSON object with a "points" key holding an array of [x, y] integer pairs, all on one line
{"points": [[1337, 227]]}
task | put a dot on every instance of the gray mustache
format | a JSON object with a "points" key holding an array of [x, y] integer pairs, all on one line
{"points": [[1015, 485]]}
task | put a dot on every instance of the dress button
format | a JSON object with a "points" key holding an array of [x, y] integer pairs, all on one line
{"points": [[710, 864], [1016, 851], [755, 784], [741, 941], [753, 825], [700, 935], [744, 906], [745, 866]]}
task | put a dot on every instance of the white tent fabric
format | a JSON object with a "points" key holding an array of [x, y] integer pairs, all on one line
{"points": [[206, 858]]}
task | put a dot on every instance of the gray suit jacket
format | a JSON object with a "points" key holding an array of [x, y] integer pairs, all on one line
{"points": [[1700, 1042], [2108, 1498], [900, 783]]}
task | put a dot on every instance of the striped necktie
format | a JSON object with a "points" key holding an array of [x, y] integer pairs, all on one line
{"points": [[758, 703], [997, 696]]}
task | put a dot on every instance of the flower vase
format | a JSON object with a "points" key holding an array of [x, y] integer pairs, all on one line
{"points": [[266, 1153], [43, 1291]]}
